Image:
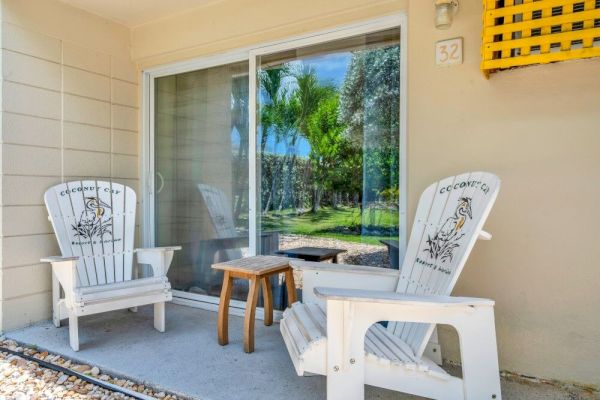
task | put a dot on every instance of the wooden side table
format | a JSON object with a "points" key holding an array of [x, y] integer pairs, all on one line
{"points": [[257, 270]]}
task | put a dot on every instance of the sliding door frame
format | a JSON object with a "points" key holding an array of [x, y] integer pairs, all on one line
{"points": [[250, 54]]}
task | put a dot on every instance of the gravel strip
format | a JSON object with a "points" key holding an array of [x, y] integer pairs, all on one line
{"points": [[357, 253], [21, 379]]}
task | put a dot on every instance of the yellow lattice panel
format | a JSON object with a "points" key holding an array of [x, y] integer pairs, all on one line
{"points": [[524, 32]]}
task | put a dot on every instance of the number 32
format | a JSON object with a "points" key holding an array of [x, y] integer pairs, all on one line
{"points": [[447, 55]]}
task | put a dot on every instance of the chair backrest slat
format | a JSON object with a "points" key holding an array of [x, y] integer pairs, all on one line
{"points": [[449, 217], [107, 248], [94, 220], [118, 205], [129, 203]]}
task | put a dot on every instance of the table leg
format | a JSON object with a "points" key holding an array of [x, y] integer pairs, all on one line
{"points": [[223, 316], [250, 314], [290, 286], [268, 300]]}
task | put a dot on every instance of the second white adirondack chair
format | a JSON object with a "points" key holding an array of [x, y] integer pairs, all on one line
{"points": [[334, 331], [219, 208], [94, 222]]}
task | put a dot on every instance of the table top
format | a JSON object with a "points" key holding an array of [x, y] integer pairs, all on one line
{"points": [[391, 242], [256, 265], [322, 252]]}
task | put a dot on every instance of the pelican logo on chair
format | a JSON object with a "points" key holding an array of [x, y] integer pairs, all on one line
{"points": [[94, 220], [442, 244]]}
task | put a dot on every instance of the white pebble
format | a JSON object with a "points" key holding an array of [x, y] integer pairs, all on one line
{"points": [[62, 379]]}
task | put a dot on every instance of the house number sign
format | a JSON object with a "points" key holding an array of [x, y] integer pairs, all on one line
{"points": [[449, 52]]}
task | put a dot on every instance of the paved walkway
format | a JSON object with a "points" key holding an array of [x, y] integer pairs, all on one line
{"points": [[187, 360]]}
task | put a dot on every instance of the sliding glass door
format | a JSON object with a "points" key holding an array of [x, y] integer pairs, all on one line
{"points": [[201, 172], [294, 145], [328, 147]]}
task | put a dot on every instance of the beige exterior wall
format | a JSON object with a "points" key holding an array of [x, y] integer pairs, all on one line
{"points": [[234, 24], [535, 127], [70, 111], [538, 129]]}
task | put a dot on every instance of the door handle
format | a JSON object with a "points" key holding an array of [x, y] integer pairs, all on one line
{"points": [[162, 183]]}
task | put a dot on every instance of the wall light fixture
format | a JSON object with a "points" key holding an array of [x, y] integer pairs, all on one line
{"points": [[444, 13]]}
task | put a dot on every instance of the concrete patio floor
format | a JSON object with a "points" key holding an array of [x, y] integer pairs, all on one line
{"points": [[187, 360]]}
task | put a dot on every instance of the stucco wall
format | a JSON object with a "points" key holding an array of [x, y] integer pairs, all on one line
{"points": [[536, 127], [234, 24], [70, 111]]}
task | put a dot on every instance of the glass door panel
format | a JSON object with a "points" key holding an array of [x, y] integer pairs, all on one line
{"points": [[201, 173], [328, 147]]}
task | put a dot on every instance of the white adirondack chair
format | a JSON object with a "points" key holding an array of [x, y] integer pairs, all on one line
{"points": [[94, 222], [219, 208], [334, 332]]}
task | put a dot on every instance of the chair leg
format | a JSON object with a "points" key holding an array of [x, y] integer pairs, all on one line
{"points": [[345, 353], [55, 300], [73, 332], [159, 316], [479, 355], [135, 274]]}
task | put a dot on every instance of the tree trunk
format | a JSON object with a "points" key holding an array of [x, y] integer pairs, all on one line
{"points": [[280, 208], [263, 139], [316, 199], [266, 209], [240, 188], [278, 170]]}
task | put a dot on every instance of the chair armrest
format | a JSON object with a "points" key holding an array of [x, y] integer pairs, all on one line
{"points": [[377, 296], [343, 276], [54, 259], [159, 249], [483, 235], [65, 271], [159, 258], [371, 306], [302, 265], [350, 313]]}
